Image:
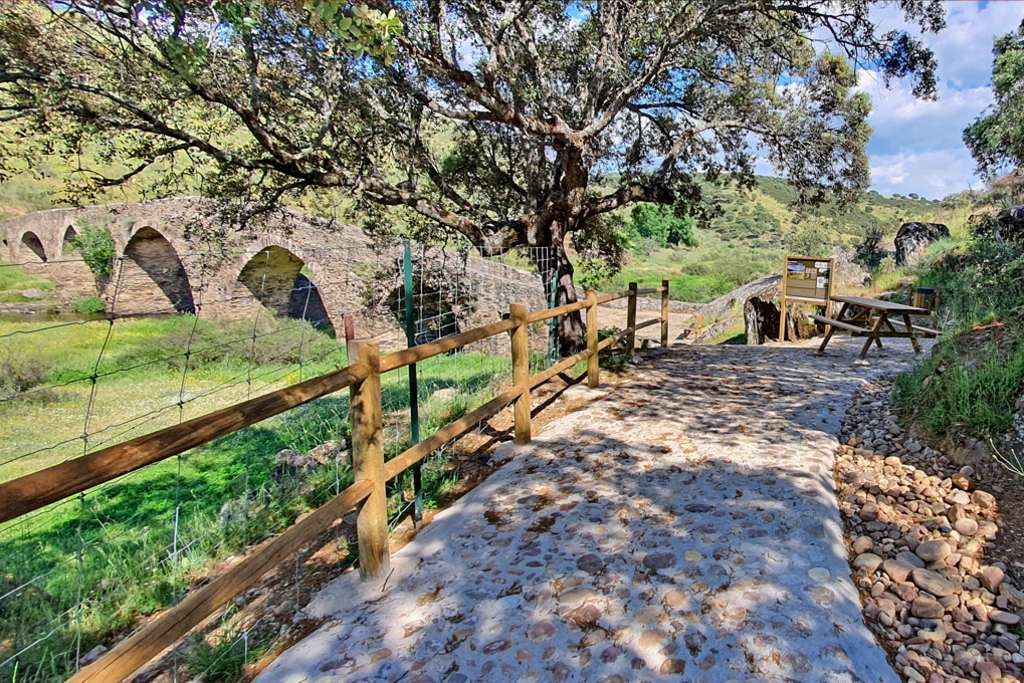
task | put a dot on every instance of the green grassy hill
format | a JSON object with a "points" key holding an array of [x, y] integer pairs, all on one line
{"points": [[748, 240], [762, 217]]}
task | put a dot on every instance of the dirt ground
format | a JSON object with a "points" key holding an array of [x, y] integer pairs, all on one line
{"points": [[616, 317]]}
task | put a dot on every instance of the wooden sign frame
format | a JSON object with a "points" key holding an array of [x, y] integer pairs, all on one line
{"points": [[785, 298]]}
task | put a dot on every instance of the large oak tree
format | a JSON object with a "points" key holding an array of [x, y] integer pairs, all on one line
{"points": [[536, 101]]}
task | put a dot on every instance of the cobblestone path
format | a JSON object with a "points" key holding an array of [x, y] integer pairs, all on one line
{"points": [[683, 528]]}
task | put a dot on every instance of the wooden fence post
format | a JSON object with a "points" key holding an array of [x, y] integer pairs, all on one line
{"points": [[664, 313], [593, 364], [521, 372], [631, 320], [368, 463]]}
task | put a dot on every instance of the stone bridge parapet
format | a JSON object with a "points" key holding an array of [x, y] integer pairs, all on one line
{"points": [[175, 255]]}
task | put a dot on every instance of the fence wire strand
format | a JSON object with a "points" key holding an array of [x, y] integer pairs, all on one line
{"points": [[177, 340]]}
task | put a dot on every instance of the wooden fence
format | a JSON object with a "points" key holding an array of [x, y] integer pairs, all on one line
{"points": [[371, 472]]}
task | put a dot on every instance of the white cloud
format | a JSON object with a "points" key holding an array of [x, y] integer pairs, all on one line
{"points": [[964, 49], [918, 145], [932, 174], [902, 121]]}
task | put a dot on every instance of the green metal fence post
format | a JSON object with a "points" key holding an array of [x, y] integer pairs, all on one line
{"points": [[414, 401], [553, 325]]}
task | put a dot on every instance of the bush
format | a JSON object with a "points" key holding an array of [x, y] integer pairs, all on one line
{"points": [[96, 247], [967, 389], [887, 266], [987, 283], [18, 374], [869, 251], [89, 304], [665, 225]]}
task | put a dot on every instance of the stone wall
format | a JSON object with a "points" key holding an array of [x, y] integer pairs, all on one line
{"points": [[163, 267]]}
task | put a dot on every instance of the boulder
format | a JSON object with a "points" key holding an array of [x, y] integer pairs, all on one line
{"points": [[289, 463], [912, 239], [849, 272], [446, 394], [1001, 225], [325, 452]]}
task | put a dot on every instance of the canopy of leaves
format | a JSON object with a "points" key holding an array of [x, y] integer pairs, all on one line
{"points": [[996, 138], [663, 225], [96, 247], [534, 98]]}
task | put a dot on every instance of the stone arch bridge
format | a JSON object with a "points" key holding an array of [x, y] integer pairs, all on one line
{"points": [[299, 266]]}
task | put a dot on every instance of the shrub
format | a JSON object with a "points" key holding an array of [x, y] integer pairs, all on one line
{"points": [[887, 266], [869, 251], [96, 247], [664, 225], [89, 304], [18, 374], [987, 282], [965, 389]]}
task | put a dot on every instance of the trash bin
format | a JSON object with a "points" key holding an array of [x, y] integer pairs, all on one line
{"points": [[924, 297]]}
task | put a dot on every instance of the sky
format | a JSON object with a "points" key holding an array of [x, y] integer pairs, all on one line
{"points": [[918, 146]]}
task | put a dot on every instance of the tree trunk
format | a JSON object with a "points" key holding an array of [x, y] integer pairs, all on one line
{"points": [[571, 333], [558, 281]]}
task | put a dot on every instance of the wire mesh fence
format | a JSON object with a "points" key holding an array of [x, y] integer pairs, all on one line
{"points": [[154, 337]]}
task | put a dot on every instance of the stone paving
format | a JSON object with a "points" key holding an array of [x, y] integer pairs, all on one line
{"points": [[682, 528]]}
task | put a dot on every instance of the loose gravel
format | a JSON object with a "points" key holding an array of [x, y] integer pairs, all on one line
{"points": [[919, 529]]}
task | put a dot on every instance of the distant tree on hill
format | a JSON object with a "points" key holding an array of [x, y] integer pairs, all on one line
{"points": [[812, 238], [869, 249], [663, 225], [996, 138], [535, 100]]}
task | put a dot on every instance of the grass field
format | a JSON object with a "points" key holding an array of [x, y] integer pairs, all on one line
{"points": [[87, 568], [715, 267], [13, 281]]}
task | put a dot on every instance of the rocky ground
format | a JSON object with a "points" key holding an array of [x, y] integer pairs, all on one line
{"points": [[272, 611], [920, 529]]}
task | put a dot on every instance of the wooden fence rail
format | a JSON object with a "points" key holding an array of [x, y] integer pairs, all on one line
{"points": [[371, 472]]}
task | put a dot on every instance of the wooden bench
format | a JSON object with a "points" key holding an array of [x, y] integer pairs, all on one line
{"points": [[837, 323], [928, 331]]}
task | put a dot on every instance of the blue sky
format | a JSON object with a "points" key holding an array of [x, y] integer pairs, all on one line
{"points": [[917, 145]]}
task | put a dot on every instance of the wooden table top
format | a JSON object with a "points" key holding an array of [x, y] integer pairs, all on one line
{"points": [[879, 305]]}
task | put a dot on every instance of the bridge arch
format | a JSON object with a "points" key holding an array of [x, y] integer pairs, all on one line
{"points": [[152, 277], [284, 283], [67, 245], [32, 249]]}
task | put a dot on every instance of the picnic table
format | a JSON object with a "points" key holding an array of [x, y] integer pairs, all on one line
{"points": [[872, 321]]}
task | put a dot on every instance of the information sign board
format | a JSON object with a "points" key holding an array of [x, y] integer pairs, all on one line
{"points": [[805, 280]]}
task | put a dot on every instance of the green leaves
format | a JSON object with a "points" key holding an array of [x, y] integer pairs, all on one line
{"points": [[663, 225], [188, 59], [363, 29], [96, 247]]}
